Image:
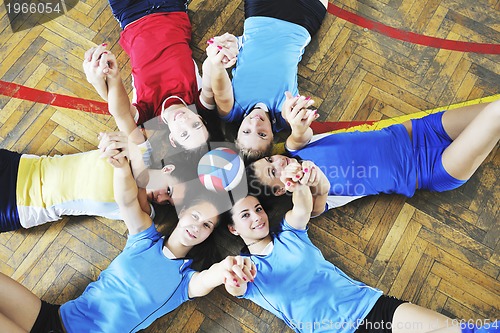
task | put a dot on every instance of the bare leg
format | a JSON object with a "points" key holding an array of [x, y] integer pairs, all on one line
{"points": [[411, 318], [19, 307], [7, 326], [455, 121], [473, 141]]}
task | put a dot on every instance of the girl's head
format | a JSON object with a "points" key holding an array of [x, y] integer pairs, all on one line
{"points": [[248, 220], [169, 184], [187, 128], [166, 189], [255, 135], [197, 221], [264, 175]]}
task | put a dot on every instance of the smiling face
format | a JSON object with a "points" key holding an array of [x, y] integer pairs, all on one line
{"points": [[250, 221], [255, 131], [186, 127], [196, 223], [268, 170]]}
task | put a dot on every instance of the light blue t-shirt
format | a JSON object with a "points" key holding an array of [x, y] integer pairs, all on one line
{"points": [[267, 66], [297, 284], [139, 286], [364, 163]]}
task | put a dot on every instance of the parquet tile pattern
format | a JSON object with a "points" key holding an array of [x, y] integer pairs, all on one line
{"points": [[440, 251]]}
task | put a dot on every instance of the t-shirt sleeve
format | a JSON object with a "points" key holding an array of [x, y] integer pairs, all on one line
{"points": [[286, 227], [188, 275], [150, 235], [202, 105], [144, 113]]}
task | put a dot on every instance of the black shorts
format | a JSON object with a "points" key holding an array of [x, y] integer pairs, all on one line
{"points": [[128, 11], [9, 216], [379, 319], [48, 320], [306, 13]]}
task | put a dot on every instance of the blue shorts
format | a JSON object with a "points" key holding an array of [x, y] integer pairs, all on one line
{"points": [[429, 140], [9, 164], [306, 13], [128, 11]]}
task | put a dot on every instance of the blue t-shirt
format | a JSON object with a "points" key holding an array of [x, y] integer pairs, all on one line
{"points": [[267, 66], [139, 286], [365, 163], [297, 284]]}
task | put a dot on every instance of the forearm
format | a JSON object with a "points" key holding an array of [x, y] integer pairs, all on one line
{"points": [[205, 281], [222, 89], [139, 168], [101, 88], [124, 186], [302, 201], [119, 107], [207, 95], [320, 195], [298, 140]]}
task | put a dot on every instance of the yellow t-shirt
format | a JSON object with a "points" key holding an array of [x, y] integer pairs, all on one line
{"points": [[77, 184]]}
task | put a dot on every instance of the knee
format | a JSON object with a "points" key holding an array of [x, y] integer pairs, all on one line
{"points": [[493, 112]]}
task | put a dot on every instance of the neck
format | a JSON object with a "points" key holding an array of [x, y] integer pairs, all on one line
{"points": [[178, 250], [257, 246]]}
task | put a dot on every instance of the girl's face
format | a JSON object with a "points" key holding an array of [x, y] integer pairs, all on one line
{"points": [[268, 169], [255, 131], [186, 127], [250, 221], [168, 191], [196, 223]]}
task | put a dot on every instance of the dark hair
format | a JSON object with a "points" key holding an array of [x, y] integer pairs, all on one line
{"points": [[206, 253], [255, 186]]}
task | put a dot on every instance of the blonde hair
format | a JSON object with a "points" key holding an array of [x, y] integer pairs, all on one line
{"points": [[250, 155]]}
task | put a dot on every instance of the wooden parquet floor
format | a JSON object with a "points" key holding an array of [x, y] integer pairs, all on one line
{"points": [[440, 251]]}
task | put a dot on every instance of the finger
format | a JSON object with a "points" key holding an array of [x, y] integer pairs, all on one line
{"points": [[103, 62], [288, 95], [121, 155], [247, 274], [300, 114], [313, 115], [230, 63], [239, 273], [314, 178], [306, 175], [253, 270], [88, 54], [111, 60], [97, 54], [290, 186]]}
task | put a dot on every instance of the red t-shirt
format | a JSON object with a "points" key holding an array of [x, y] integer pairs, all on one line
{"points": [[162, 65]]}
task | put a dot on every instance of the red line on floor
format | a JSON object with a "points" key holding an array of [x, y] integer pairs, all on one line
{"points": [[15, 90], [412, 37]]}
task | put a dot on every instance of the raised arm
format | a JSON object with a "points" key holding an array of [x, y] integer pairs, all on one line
{"points": [[302, 200], [296, 113], [95, 69], [221, 55], [233, 272], [116, 145], [126, 191]]}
